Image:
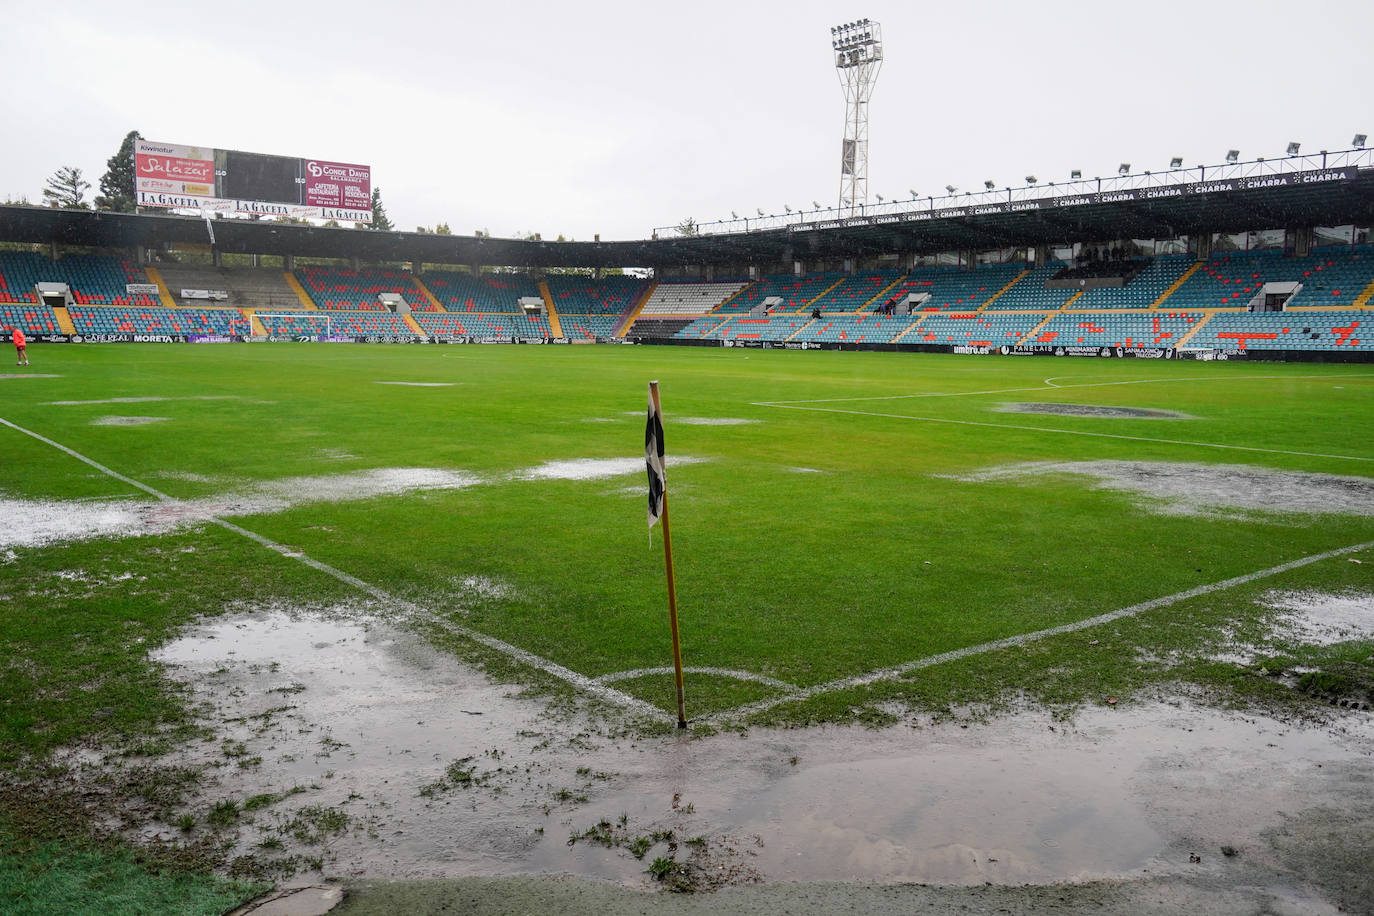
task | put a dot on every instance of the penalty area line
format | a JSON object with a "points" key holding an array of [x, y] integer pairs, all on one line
{"points": [[888, 674], [416, 613]]}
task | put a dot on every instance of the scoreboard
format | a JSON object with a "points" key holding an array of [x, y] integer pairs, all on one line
{"points": [[204, 178]]}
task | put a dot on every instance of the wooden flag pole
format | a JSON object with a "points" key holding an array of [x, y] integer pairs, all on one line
{"points": [[672, 587]]}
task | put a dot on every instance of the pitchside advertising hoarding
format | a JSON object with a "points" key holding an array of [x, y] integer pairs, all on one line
{"points": [[229, 181]]}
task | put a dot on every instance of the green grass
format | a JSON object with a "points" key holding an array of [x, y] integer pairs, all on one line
{"points": [[806, 577], [867, 559]]}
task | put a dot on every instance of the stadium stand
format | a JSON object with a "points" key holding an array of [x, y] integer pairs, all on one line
{"points": [[93, 279], [853, 293], [360, 323], [29, 318], [356, 290], [256, 287], [1330, 277], [584, 296], [954, 289], [1143, 290], [986, 329], [795, 292], [587, 326], [1030, 294], [1306, 330], [1108, 329], [437, 325], [491, 292], [856, 328], [107, 320], [687, 298]]}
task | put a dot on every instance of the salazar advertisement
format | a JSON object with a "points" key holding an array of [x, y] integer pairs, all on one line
{"points": [[177, 176]]}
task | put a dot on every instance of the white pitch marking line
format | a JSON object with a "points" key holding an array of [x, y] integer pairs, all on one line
{"points": [[964, 394], [1067, 432], [887, 674], [718, 672], [580, 681]]}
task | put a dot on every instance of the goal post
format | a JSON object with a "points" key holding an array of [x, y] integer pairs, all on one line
{"points": [[291, 329]]}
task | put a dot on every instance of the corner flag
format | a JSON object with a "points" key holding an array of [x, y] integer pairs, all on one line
{"points": [[658, 508], [653, 457]]}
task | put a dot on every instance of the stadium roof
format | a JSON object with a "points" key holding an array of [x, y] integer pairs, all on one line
{"points": [[1347, 198]]}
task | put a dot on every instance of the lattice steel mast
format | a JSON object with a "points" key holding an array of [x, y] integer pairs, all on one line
{"points": [[858, 48]]}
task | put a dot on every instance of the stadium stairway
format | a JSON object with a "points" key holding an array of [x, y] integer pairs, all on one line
{"points": [[868, 306], [155, 276], [429, 297], [64, 319], [998, 295], [1362, 300], [623, 328], [1030, 335], [1183, 341], [811, 303], [414, 326], [555, 323], [294, 282], [1176, 286], [255, 325], [911, 327]]}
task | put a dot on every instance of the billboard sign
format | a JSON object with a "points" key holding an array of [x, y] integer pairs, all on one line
{"points": [[203, 178]]}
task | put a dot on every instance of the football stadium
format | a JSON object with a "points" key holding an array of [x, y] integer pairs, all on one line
{"points": [[1021, 554]]}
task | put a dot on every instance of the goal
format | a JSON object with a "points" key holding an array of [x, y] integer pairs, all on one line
{"points": [[291, 327]]}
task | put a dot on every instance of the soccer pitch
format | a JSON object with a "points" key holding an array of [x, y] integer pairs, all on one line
{"points": [[853, 532]]}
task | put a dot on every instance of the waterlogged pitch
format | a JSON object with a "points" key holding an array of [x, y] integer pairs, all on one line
{"points": [[852, 531]]}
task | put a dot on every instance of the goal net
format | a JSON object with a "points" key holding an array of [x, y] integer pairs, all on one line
{"points": [[295, 324]]}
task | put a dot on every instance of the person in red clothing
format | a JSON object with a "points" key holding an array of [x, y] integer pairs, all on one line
{"points": [[20, 346]]}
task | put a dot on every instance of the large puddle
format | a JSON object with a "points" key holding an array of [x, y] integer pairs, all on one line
{"points": [[371, 718]]}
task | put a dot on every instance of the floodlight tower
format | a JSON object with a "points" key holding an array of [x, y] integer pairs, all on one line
{"points": [[858, 48]]}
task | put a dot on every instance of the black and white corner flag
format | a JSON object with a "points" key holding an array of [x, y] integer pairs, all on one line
{"points": [[653, 458]]}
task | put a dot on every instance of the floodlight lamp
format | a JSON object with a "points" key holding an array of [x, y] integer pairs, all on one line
{"points": [[816, 204], [989, 184], [914, 194], [760, 210], [1233, 155], [734, 215], [1176, 162], [1359, 141], [950, 188], [1123, 168], [787, 207], [1031, 179], [1293, 148], [880, 198], [1075, 174]]}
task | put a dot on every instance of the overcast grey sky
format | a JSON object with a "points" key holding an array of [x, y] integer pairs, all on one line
{"points": [[617, 117]]}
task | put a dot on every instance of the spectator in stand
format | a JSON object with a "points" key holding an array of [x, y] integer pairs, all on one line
{"points": [[20, 346]]}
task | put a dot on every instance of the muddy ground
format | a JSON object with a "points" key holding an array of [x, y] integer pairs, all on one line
{"points": [[1164, 806]]}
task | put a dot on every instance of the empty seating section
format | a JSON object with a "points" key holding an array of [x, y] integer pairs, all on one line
{"points": [[356, 290], [987, 329], [437, 325], [585, 296], [1029, 293], [1331, 277], [1108, 329], [31, 319], [854, 292], [705, 328], [362, 323], [108, 320], [582, 326], [1334, 276], [796, 293], [93, 279], [1142, 290], [675, 298], [1308, 330], [954, 289], [856, 328], [461, 292]]}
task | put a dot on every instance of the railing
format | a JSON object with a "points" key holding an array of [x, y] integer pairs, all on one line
{"points": [[1200, 179]]}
